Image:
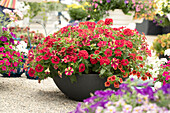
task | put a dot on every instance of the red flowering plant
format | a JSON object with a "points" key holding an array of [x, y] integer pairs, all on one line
{"points": [[92, 47], [10, 59]]}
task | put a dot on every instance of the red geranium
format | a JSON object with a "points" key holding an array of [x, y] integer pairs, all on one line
{"points": [[104, 61], [93, 61], [125, 62], [81, 67], [118, 52], [39, 68], [84, 54]]}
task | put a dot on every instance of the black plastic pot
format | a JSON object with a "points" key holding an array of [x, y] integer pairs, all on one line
{"points": [[148, 27], [164, 56], [17, 74], [166, 30], [81, 89]]}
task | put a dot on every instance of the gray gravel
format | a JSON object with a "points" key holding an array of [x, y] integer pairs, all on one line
{"points": [[22, 95]]}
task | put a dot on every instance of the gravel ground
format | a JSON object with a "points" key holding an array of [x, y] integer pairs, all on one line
{"points": [[22, 95]]}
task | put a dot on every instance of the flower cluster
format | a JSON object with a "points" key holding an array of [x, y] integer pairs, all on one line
{"points": [[25, 33], [161, 43], [127, 100], [10, 60], [144, 9], [98, 8], [114, 53], [162, 10], [163, 76]]}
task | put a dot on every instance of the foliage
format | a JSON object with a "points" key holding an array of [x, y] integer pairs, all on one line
{"points": [[77, 12], [10, 59], [163, 74], [161, 43], [92, 48], [128, 99]]}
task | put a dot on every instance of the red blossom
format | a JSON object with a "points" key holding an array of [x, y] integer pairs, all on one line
{"points": [[93, 61], [39, 68], [116, 84], [128, 32], [96, 52], [84, 54], [109, 21], [125, 62], [129, 44], [108, 52], [139, 58], [119, 43], [104, 61], [102, 43], [47, 56], [117, 52], [107, 84], [81, 67], [55, 60], [31, 72]]}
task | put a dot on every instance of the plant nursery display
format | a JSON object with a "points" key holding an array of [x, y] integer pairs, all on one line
{"points": [[163, 74], [99, 8], [128, 99], [161, 43], [90, 48], [10, 59]]}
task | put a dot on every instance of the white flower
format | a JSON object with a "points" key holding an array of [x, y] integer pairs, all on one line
{"points": [[108, 104], [167, 52], [157, 85], [137, 109], [110, 109], [99, 109], [127, 108]]}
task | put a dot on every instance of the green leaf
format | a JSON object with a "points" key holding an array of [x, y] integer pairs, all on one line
{"points": [[73, 78], [102, 71]]}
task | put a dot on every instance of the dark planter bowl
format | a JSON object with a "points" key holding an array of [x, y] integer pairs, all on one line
{"points": [[17, 74], [81, 89], [164, 56], [149, 28], [166, 30]]}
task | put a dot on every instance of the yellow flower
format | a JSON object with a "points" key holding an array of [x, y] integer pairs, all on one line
{"points": [[95, 10], [163, 44]]}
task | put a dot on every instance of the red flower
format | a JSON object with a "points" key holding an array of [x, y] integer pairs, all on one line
{"points": [[81, 67], [144, 78], [96, 52], [47, 56], [102, 43], [39, 68], [116, 84], [104, 61], [120, 80], [109, 21], [66, 59], [132, 56], [107, 84], [128, 32], [31, 72], [148, 74], [118, 52], [84, 54], [134, 72], [125, 62], [139, 58], [113, 78], [141, 65], [93, 61], [101, 22], [39, 58], [108, 52], [138, 74], [55, 60], [125, 75], [73, 58], [129, 44], [119, 43]]}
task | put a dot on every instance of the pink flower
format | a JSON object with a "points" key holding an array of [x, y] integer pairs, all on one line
{"points": [[96, 5], [15, 64], [2, 48], [18, 54], [1, 62], [115, 63], [167, 77], [165, 73], [6, 43], [69, 71], [3, 68], [164, 82], [10, 47], [7, 63]]}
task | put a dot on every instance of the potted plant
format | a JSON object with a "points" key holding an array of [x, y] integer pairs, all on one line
{"points": [[76, 57], [10, 59], [161, 44], [161, 17], [128, 99], [163, 75], [77, 12]]}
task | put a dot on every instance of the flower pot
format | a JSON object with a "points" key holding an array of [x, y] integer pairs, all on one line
{"points": [[138, 20], [149, 28], [29, 77], [12, 74], [164, 56], [81, 89], [166, 30], [119, 18]]}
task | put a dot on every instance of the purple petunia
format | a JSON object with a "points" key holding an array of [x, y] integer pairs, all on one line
{"points": [[108, 1], [4, 39], [4, 29], [11, 40], [160, 21], [166, 89], [12, 34]]}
